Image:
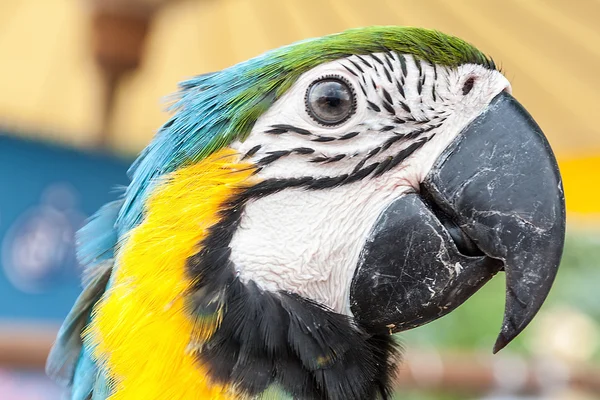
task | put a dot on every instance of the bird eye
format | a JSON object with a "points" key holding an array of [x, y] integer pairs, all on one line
{"points": [[330, 101]]}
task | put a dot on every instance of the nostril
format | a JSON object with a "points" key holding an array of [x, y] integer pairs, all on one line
{"points": [[468, 85]]}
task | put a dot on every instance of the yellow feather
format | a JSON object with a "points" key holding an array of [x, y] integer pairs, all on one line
{"points": [[140, 330]]}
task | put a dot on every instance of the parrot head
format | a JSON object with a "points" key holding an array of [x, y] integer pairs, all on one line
{"points": [[387, 174]]}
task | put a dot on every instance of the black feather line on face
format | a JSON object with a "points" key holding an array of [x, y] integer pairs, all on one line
{"points": [[276, 131], [323, 139], [373, 152], [387, 96], [291, 128], [251, 152], [388, 75], [358, 67], [418, 65], [364, 61], [273, 156], [362, 88], [349, 135], [389, 58], [403, 64], [373, 106], [403, 155], [303, 150], [389, 108], [373, 84], [350, 70], [360, 164], [335, 158], [376, 58], [400, 88], [280, 129], [405, 107]]}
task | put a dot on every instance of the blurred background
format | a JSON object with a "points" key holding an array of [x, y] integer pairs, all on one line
{"points": [[82, 88]]}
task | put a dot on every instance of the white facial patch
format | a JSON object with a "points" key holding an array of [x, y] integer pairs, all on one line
{"points": [[308, 241]]}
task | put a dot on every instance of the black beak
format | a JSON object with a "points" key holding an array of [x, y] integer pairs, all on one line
{"points": [[492, 201]]}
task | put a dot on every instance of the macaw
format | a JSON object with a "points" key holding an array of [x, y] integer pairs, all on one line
{"points": [[298, 209]]}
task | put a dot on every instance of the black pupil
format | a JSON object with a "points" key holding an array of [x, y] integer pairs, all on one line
{"points": [[330, 101]]}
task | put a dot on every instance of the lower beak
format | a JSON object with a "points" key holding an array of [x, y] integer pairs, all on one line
{"points": [[492, 201]]}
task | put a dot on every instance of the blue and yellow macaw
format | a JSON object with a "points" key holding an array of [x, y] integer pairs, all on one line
{"points": [[299, 208]]}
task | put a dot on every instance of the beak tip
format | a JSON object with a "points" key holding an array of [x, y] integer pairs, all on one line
{"points": [[501, 343]]}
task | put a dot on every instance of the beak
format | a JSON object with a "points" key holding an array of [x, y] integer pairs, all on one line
{"points": [[492, 201]]}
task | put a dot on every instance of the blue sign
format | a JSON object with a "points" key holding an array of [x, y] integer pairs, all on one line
{"points": [[46, 193]]}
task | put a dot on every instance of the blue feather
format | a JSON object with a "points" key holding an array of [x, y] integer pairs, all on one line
{"points": [[65, 353], [70, 362], [85, 376], [102, 388], [97, 240]]}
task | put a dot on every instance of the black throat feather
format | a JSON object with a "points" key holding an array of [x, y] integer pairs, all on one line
{"points": [[280, 338]]}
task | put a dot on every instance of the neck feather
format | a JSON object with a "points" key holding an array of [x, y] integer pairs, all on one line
{"points": [[279, 338]]}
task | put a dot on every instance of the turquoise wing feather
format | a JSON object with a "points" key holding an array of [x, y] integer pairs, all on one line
{"points": [[70, 362]]}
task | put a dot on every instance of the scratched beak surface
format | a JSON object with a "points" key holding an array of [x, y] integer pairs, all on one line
{"points": [[493, 201]]}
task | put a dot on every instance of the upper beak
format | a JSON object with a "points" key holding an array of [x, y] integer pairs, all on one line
{"points": [[493, 200]]}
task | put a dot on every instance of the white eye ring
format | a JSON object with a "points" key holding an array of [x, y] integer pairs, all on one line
{"points": [[330, 100]]}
